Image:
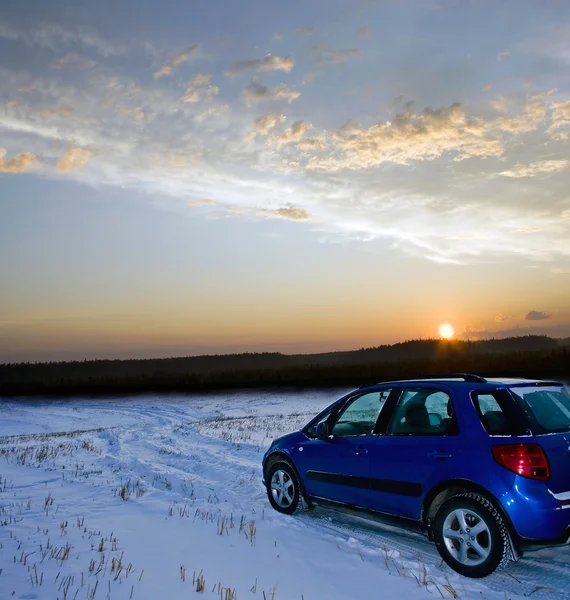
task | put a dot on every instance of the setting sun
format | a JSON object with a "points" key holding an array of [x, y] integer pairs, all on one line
{"points": [[446, 331]]}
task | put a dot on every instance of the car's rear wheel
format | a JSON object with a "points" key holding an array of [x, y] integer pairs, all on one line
{"points": [[283, 489], [471, 535]]}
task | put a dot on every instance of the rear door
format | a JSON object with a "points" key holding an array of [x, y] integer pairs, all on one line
{"points": [[548, 410], [419, 446], [337, 468]]}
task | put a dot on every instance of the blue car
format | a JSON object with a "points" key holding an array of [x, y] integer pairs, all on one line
{"points": [[482, 464]]}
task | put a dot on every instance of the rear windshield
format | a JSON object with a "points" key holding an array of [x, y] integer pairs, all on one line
{"points": [[548, 408]]}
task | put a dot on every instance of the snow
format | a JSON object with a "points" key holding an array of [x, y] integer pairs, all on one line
{"points": [[188, 468]]}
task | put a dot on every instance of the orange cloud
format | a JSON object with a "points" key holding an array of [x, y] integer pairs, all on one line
{"points": [[198, 89], [23, 161], [294, 133], [73, 159], [542, 167], [264, 124]]}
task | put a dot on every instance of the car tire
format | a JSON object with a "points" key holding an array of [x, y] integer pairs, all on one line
{"points": [[283, 488], [471, 535]]}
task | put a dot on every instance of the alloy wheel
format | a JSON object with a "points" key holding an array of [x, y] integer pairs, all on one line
{"points": [[282, 488], [467, 537]]}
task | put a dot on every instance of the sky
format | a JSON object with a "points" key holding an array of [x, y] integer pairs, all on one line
{"points": [[210, 176]]}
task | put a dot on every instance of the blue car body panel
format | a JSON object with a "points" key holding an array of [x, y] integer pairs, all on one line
{"points": [[394, 474]]}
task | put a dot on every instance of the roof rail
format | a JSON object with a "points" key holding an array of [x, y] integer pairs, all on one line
{"points": [[469, 377]]}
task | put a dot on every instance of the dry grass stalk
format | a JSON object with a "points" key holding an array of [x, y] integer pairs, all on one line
{"points": [[450, 589], [252, 532], [200, 582], [437, 587]]}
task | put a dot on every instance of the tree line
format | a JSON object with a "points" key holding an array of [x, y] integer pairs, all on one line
{"points": [[528, 356]]}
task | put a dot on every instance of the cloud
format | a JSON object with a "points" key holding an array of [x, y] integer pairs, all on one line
{"points": [[55, 111], [441, 206], [212, 111], [325, 56], [179, 160], [198, 90], [500, 319], [164, 71], [73, 159], [433, 134], [185, 55], [312, 144], [543, 167], [264, 124], [566, 214], [294, 133], [257, 92], [410, 136], [23, 161], [534, 315], [55, 36], [268, 63], [74, 61], [363, 33], [502, 55], [534, 114], [560, 115], [200, 203], [177, 58], [277, 36], [291, 213]]}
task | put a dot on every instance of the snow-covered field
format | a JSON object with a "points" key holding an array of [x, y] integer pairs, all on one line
{"points": [[155, 497]]}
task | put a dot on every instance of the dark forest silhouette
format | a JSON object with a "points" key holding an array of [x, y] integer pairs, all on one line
{"points": [[527, 356]]}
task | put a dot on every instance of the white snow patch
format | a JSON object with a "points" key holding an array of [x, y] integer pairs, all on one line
{"points": [[141, 497]]}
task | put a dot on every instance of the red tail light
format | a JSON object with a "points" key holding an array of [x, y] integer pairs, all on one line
{"points": [[526, 460]]}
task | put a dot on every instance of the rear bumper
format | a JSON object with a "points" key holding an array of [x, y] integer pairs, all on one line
{"points": [[538, 518], [535, 544]]}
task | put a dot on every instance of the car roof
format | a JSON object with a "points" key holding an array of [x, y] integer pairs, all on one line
{"points": [[470, 379]]}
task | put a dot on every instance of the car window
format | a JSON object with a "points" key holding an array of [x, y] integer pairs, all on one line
{"points": [[423, 411], [312, 430], [360, 415], [548, 408], [491, 414], [498, 414]]}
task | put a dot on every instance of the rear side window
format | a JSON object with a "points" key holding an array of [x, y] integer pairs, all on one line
{"points": [[498, 414], [548, 408]]}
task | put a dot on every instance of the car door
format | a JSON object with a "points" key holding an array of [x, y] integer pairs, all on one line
{"points": [[336, 468], [417, 448]]}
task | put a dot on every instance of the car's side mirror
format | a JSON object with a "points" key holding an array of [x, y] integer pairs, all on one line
{"points": [[323, 430]]}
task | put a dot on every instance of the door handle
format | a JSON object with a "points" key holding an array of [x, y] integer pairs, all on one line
{"points": [[360, 450], [440, 454]]}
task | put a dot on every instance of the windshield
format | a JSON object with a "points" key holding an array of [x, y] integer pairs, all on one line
{"points": [[548, 408]]}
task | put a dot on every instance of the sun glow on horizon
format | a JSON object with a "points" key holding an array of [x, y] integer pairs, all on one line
{"points": [[446, 331]]}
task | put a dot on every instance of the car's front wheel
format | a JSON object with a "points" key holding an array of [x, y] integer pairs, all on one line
{"points": [[471, 535], [283, 489]]}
